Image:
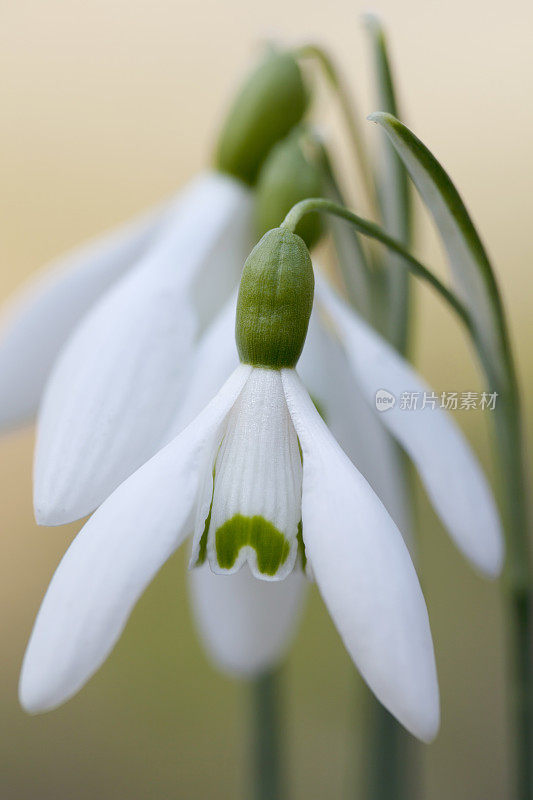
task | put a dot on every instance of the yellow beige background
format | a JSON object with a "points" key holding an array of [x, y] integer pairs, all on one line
{"points": [[106, 108]]}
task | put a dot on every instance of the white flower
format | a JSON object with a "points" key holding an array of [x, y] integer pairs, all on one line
{"points": [[118, 380], [343, 368], [121, 369], [264, 486], [344, 363], [268, 493], [239, 618]]}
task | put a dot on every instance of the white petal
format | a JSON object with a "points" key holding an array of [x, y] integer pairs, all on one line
{"points": [[256, 489], [245, 624], [39, 318], [326, 374], [113, 559], [364, 573], [215, 358], [118, 383], [445, 462]]}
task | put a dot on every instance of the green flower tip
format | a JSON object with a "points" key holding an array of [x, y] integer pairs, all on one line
{"points": [[290, 174], [272, 101], [275, 301]]}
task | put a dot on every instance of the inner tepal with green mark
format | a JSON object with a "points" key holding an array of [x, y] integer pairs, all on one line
{"points": [[255, 498], [255, 504]]}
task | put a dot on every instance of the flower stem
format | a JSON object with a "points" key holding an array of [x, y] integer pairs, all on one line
{"points": [[267, 776], [387, 761], [347, 107], [509, 438], [520, 638], [375, 232]]}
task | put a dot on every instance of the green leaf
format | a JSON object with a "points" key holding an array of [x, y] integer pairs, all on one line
{"points": [[392, 191], [470, 266]]}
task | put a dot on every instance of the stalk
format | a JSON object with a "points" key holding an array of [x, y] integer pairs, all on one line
{"points": [[350, 117], [375, 232], [388, 762], [518, 590], [266, 725]]}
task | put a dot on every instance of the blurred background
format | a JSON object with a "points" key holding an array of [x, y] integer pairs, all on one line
{"points": [[106, 109]]}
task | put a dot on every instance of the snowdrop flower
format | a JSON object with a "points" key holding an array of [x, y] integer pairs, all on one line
{"points": [[105, 337], [117, 382], [265, 487], [343, 365], [246, 625]]}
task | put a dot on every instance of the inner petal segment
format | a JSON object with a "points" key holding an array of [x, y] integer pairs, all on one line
{"points": [[256, 502]]}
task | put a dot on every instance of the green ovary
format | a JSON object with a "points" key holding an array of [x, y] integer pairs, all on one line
{"points": [[271, 546]]}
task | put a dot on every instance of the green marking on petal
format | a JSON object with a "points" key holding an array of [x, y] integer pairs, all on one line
{"points": [[271, 546], [202, 551], [301, 546]]}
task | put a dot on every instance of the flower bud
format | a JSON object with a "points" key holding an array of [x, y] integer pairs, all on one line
{"points": [[275, 301], [289, 174], [270, 103]]}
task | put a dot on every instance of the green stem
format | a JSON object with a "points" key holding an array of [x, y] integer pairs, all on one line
{"points": [[520, 639], [510, 443], [387, 765], [347, 107], [267, 774], [509, 437], [372, 230]]}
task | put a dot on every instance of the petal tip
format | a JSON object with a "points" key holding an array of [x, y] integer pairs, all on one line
{"points": [[49, 516], [417, 707], [424, 721], [50, 512], [493, 564], [30, 694], [489, 559], [428, 731]]}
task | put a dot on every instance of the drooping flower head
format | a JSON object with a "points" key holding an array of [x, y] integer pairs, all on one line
{"points": [[266, 487], [102, 342]]}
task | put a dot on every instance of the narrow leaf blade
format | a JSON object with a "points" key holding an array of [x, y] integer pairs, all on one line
{"points": [[469, 264], [392, 189]]}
